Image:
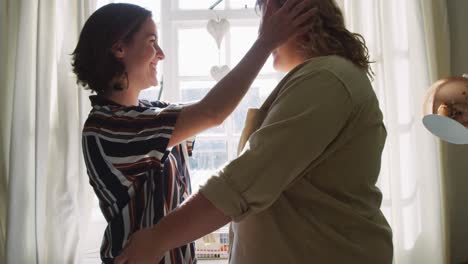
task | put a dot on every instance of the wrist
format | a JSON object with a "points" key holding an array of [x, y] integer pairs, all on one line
{"points": [[159, 241]]}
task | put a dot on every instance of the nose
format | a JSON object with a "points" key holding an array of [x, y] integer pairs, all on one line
{"points": [[160, 53]]}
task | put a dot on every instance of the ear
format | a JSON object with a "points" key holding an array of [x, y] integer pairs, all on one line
{"points": [[118, 50]]}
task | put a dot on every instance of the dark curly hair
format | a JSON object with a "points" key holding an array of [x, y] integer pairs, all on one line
{"points": [[93, 61], [328, 35]]}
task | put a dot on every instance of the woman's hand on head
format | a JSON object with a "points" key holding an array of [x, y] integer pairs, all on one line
{"points": [[280, 24]]}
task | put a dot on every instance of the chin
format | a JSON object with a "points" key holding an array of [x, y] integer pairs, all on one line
{"points": [[278, 66], [154, 82]]}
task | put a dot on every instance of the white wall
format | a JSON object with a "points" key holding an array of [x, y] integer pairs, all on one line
{"points": [[456, 181]]}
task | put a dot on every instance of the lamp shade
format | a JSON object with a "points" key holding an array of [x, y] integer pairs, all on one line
{"points": [[446, 109]]}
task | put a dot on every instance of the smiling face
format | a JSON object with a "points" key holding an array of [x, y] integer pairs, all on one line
{"points": [[141, 56]]}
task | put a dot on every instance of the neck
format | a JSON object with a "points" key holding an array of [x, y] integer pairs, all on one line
{"points": [[296, 63], [294, 59], [301, 58], [292, 63], [126, 97]]}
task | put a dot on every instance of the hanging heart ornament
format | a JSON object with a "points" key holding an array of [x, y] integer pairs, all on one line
{"points": [[218, 72], [217, 29]]}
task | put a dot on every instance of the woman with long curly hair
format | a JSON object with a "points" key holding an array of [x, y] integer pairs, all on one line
{"points": [[303, 189]]}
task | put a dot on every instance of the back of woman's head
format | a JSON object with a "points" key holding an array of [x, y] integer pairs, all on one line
{"points": [[328, 35], [94, 63]]}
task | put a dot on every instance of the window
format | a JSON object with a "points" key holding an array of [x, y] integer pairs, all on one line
{"points": [[224, 238], [190, 53]]}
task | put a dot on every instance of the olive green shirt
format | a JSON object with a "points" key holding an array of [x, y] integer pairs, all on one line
{"points": [[303, 188]]}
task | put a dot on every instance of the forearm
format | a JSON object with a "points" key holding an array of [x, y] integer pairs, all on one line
{"points": [[227, 93], [195, 218]]}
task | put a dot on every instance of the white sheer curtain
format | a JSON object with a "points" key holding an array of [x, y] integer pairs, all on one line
{"points": [[8, 27], [408, 40], [44, 193]]}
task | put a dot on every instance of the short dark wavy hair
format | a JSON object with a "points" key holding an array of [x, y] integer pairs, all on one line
{"points": [[93, 61]]}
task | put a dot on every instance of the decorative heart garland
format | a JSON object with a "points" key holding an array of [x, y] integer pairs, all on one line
{"points": [[218, 72], [217, 29]]}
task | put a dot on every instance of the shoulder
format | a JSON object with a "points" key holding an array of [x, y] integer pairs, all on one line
{"points": [[131, 120], [313, 84], [158, 104], [339, 74]]}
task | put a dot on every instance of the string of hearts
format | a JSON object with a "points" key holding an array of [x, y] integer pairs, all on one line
{"points": [[218, 29]]}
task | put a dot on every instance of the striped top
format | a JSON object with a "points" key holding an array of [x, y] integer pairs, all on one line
{"points": [[136, 178]]}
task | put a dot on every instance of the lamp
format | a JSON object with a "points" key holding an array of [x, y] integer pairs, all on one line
{"points": [[446, 109]]}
